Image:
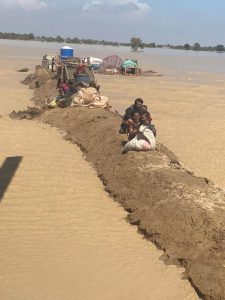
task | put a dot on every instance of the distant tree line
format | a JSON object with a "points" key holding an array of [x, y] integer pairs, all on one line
{"points": [[135, 42], [58, 39], [198, 47], [17, 36]]}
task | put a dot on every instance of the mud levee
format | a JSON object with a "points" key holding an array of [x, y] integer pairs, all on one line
{"points": [[182, 214]]}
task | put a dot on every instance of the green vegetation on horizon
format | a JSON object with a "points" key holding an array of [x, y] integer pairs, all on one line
{"points": [[135, 42]]}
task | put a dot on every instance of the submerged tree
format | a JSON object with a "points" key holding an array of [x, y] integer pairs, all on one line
{"points": [[187, 46], [136, 43], [59, 39], [196, 47], [220, 48]]}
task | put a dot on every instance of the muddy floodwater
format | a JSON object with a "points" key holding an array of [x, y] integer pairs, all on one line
{"points": [[61, 235]]}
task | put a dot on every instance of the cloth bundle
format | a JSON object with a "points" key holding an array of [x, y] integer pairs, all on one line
{"points": [[91, 98], [143, 141]]}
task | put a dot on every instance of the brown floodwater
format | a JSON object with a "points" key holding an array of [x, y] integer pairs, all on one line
{"points": [[61, 235]]}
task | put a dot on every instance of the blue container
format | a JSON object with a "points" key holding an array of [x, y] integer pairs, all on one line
{"points": [[96, 67], [82, 78], [66, 52]]}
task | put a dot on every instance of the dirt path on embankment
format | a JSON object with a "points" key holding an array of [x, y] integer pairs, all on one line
{"points": [[61, 235]]}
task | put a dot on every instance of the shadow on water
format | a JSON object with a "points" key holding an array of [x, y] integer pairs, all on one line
{"points": [[7, 171]]}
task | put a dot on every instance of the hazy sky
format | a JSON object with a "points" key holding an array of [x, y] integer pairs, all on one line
{"points": [[160, 21]]}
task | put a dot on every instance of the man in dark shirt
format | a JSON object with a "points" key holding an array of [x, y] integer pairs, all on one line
{"points": [[139, 107]]}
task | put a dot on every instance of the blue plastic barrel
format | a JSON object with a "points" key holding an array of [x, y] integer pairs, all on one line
{"points": [[66, 52], [82, 78]]}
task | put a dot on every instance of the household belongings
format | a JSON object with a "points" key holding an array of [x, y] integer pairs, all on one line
{"points": [[94, 62]]}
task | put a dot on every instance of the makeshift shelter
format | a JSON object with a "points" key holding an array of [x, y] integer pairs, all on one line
{"points": [[70, 71], [112, 62], [73, 70], [129, 63], [94, 62], [129, 66]]}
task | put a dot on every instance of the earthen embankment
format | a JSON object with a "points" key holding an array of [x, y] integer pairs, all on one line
{"points": [[182, 214]]}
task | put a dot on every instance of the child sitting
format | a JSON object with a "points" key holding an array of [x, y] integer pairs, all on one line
{"points": [[133, 125]]}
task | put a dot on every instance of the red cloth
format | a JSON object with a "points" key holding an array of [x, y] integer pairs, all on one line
{"points": [[64, 87]]}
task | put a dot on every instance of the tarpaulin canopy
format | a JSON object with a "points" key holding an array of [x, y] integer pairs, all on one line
{"points": [[113, 61], [129, 63]]}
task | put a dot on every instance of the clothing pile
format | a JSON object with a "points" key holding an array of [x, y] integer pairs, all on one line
{"points": [[91, 98]]}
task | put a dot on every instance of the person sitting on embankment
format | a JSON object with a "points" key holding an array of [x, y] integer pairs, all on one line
{"points": [[63, 99], [145, 138], [139, 107], [64, 88], [133, 125]]}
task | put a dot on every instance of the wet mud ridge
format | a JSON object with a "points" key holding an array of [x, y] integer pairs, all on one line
{"points": [[179, 212]]}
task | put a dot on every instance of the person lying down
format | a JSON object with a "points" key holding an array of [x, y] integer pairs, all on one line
{"points": [[144, 140]]}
